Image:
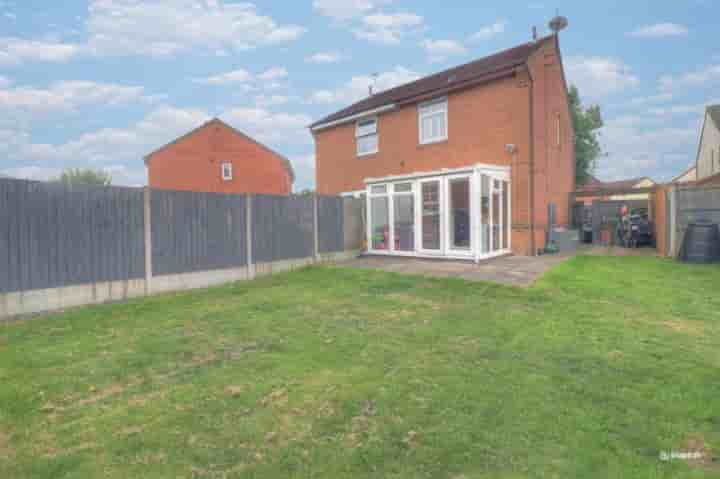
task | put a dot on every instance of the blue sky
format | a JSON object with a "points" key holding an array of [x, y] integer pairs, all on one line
{"points": [[100, 83]]}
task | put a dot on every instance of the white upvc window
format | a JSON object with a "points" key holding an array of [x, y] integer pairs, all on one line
{"points": [[366, 136], [226, 171], [433, 121]]}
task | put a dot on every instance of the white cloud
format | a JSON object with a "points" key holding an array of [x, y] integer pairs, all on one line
{"points": [[117, 145], [440, 50], [67, 96], [235, 76], [10, 16], [158, 28], [660, 30], [346, 9], [489, 31], [267, 80], [325, 57], [357, 88], [5, 82], [639, 146], [387, 28], [120, 174], [702, 77], [596, 77], [270, 127], [166, 27], [14, 51], [271, 100], [644, 100], [38, 173], [274, 73], [673, 110], [304, 166]]}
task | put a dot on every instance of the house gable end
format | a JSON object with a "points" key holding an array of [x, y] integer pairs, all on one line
{"points": [[219, 123]]}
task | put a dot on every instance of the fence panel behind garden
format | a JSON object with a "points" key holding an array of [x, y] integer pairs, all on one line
{"points": [[96, 239], [197, 231], [282, 228], [52, 236], [331, 224], [697, 205]]}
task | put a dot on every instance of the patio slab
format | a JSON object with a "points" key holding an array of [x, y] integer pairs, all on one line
{"points": [[520, 271]]}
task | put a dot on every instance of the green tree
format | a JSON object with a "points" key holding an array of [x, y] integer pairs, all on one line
{"points": [[587, 123], [85, 176]]}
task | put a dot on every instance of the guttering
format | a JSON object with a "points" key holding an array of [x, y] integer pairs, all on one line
{"points": [[531, 166], [356, 116], [443, 172]]}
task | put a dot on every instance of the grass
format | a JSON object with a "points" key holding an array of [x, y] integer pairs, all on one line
{"points": [[334, 373]]}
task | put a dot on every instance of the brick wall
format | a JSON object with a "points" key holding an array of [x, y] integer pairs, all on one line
{"points": [[481, 121], [554, 151], [193, 163]]}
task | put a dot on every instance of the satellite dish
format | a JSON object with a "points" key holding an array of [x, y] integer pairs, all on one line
{"points": [[558, 23]]}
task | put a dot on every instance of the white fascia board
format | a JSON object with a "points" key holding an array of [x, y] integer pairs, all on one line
{"points": [[354, 117], [444, 172]]}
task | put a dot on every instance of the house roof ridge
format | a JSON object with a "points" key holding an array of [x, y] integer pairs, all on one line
{"points": [[467, 73]]}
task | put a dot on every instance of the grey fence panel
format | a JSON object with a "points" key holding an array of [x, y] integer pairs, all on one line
{"points": [[696, 205], [282, 227], [353, 223], [197, 231], [331, 236], [52, 235]]}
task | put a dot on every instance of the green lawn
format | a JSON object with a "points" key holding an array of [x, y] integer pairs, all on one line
{"points": [[334, 373]]}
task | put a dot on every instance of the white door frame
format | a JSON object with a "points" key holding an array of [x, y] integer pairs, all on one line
{"points": [[449, 250], [441, 217]]}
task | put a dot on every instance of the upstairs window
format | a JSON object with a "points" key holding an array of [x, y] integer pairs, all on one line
{"points": [[366, 135], [226, 171], [433, 119]]}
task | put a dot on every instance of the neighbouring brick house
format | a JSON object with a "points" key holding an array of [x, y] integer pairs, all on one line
{"points": [[217, 158], [462, 164]]}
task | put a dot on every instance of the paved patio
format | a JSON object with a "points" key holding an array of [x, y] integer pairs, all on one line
{"points": [[511, 270]]}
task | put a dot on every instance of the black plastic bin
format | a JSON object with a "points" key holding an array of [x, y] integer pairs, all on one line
{"points": [[701, 244]]}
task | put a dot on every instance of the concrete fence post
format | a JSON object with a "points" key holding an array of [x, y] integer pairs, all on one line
{"points": [[249, 236], [147, 194], [316, 237]]}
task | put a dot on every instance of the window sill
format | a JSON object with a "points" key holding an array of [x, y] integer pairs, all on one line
{"points": [[431, 143], [367, 155]]}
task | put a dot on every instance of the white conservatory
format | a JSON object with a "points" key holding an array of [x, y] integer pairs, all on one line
{"points": [[459, 213]]}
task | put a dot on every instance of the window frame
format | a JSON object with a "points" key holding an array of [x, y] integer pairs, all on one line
{"points": [[223, 175], [422, 115], [376, 134]]}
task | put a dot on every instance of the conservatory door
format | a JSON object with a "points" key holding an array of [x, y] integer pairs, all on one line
{"points": [[494, 215], [430, 222], [459, 215]]}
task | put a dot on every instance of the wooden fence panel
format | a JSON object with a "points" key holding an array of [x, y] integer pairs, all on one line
{"points": [[197, 231], [52, 235]]}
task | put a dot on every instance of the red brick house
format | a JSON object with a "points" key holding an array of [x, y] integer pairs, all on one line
{"points": [[460, 164], [217, 158]]}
